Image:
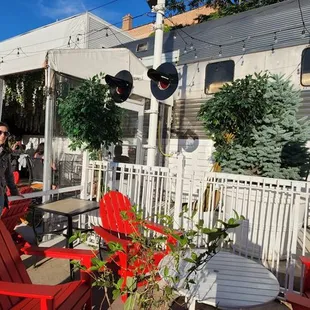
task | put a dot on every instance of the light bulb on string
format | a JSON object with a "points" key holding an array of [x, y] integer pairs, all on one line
{"points": [[69, 41], [220, 51], [185, 50], [275, 38], [192, 46], [174, 36], [272, 49], [242, 61], [2, 61], [196, 55], [243, 47], [18, 51], [106, 33], [303, 33]]}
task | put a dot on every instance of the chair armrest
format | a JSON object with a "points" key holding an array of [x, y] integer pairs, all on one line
{"points": [[296, 299], [111, 238], [163, 230], [305, 260], [160, 228], [84, 256], [26, 290]]}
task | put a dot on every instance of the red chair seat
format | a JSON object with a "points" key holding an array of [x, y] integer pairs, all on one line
{"points": [[67, 298]]}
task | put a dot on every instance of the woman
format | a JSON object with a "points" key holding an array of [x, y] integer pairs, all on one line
{"points": [[6, 174], [39, 153]]}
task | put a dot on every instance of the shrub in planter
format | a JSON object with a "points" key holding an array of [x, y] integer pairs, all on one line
{"points": [[89, 116], [256, 131]]}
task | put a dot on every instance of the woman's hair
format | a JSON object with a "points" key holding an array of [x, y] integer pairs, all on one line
{"points": [[4, 125], [6, 144], [40, 149]]}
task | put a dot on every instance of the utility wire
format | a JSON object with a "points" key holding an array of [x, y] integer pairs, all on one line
{"points": [[101, 6], [302, 17]]}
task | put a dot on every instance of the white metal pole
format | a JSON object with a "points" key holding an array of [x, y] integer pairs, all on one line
{"points": [[158, 48], [48, 132], [2, 94], [84, 178]]}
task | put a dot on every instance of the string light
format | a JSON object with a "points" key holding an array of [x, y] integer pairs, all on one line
{"points": [[196, 55], [69, 41], [18, 51], [106, 32], [185, 50], [242, 61], [192, 46], [220, 51], [2, 61], [243, 48], [272, 49], [275, 38], [174, 36], [303, 33]]}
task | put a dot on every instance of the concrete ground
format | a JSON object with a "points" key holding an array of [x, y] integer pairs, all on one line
{"points": [[55, 271]]}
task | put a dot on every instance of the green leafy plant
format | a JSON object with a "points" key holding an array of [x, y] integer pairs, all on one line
{"points": [[154, 294], [254, 124], [89, 116]]}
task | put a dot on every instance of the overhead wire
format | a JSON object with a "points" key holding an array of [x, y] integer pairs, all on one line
{"points": [[302, 17]]}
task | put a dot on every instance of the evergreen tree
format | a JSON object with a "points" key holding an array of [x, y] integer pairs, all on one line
{"points": [[273, 141]]}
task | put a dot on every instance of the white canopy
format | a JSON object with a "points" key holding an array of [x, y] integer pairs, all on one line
{"points": [[81, 63], [85, 63]]}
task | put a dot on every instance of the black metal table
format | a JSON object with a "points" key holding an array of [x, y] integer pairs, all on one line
{"points": [[69, 208]]}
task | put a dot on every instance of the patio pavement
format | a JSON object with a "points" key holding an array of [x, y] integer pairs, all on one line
{"points": [[55, 271]]}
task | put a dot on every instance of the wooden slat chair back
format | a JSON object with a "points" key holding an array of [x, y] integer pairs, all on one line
{"points": [[11, 267], [17, 291], [116, 214], [116, 228], [17, 209]]}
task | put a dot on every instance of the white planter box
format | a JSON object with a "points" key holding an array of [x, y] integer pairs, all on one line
{"points": [[267, 230]]}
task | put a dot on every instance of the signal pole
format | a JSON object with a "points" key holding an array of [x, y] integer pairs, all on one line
{"points": [[158, 48]]}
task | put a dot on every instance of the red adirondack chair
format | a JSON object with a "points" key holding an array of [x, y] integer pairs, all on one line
{"points": [[117, 229], [302, 302], [16, 211], [12, 215], [17, 291]]}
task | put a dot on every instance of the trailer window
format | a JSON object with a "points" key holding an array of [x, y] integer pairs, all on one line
{"points": [[217, 74], [305, 68]]}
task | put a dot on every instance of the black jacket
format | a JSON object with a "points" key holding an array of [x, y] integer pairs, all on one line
{"points": [[6, 174]]}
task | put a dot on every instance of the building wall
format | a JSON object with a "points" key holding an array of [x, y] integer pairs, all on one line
{"points": [[190, 95], [103, 35], [187, 18]]}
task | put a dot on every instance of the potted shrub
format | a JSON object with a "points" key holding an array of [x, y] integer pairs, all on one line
{"points": [[254, 124]]}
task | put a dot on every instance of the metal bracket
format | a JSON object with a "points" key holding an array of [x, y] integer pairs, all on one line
{"points": [[151, 111]]}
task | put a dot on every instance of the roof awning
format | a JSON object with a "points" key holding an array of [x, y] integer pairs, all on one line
{"points": [[85, 63]]}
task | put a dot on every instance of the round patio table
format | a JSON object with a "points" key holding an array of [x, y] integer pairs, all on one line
{"points": [[227, 281]]}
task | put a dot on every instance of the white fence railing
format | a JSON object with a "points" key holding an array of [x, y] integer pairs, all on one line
{"points": [[276, 211]]}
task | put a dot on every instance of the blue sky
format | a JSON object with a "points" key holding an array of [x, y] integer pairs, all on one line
{"points": [[19, 16]]}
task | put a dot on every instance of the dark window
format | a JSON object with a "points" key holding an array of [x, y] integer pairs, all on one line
{"points": [[217, 74], [305, 68], [142, 47]]}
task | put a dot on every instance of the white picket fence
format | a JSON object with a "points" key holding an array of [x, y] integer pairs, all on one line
{"points": [[276, 211]]}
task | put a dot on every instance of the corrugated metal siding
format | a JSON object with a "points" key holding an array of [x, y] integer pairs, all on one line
{"points": [[304, 109], [281, 17], [185, 118], [185, 115], [97, 34]]}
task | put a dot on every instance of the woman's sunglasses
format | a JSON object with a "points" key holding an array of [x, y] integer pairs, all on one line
{"points": [[5, 133]]}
